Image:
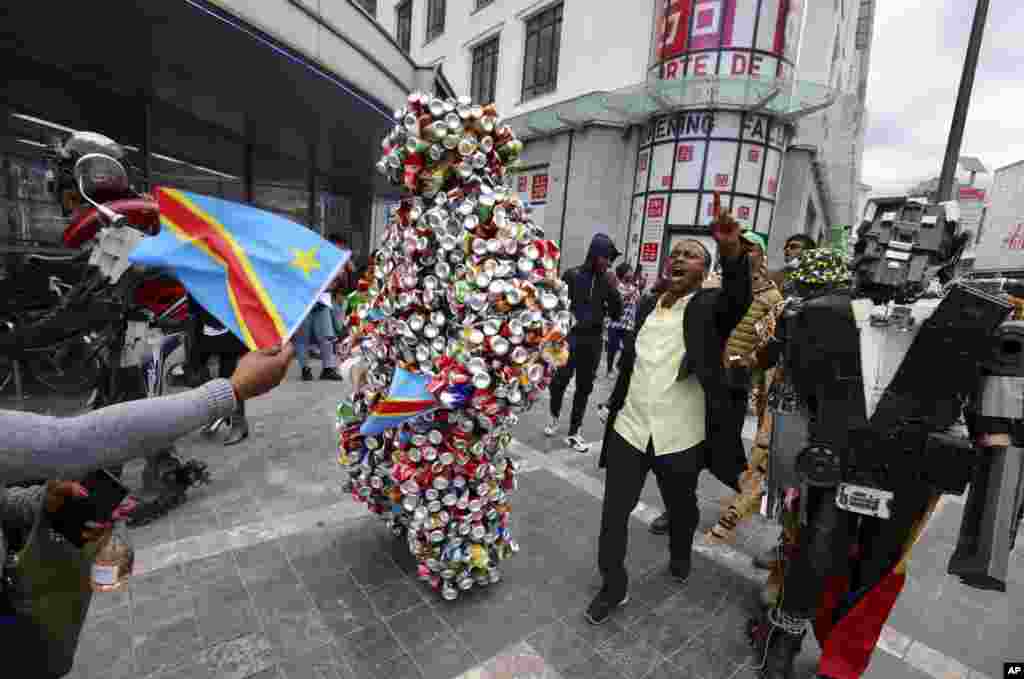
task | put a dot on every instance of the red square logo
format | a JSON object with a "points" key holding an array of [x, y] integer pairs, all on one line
{"points": [[685, 154], [754, 155], [773, 184], [643, 162], [655, 207], [743, 212], [666, 181], [706, 18], [721, 180]]}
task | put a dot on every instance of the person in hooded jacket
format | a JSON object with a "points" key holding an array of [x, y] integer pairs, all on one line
{"points": [[593, 294]]}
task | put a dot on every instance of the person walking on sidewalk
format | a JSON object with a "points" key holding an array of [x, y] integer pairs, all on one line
{"points": [[593, 294], [666, 409]]}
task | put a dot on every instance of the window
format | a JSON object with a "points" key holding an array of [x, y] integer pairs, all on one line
{"points": [[403, 25], [435, 18], [540, 65], [369, 5], [485, 71]]}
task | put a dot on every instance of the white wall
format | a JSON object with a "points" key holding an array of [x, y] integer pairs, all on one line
{"points": [[604, 45]]}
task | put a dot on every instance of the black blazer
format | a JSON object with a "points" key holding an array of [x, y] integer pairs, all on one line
{"points": [[710, 318]]}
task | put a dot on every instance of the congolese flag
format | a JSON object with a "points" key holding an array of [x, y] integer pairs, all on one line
{"points": [[257, 273], [407, 398]]}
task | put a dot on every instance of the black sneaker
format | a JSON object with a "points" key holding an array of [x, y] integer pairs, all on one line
{"points": [[307, 375], [331, 375], [679, 571], [602, 606]]}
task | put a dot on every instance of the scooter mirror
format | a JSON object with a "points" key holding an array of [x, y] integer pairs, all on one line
{"points": [[97, 174]]}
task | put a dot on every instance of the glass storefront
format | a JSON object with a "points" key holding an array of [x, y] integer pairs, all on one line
{"points": [[185, 153]]}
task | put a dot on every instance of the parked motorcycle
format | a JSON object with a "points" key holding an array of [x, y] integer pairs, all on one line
{"points": [[138, 319]]}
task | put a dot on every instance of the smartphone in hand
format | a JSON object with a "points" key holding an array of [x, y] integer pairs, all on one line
{"points": [[106, 492]]}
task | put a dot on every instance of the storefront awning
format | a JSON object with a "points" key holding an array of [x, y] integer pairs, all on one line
{"points": [[636, 104]]}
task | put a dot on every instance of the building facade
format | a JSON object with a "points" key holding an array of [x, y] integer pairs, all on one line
{"points": [[635, 113], [278, 103]]}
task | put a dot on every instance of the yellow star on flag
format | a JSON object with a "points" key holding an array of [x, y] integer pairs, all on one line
{"points": [[306, 260]]}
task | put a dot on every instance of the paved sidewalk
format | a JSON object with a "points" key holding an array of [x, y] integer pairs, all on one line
{"points": [[272, 572]]}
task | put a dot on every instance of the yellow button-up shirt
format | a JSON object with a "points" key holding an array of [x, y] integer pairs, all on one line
{"points": [[659, 408]]}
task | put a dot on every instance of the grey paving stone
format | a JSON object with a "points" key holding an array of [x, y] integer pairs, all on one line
{"points": [[371, 645], [284, 595], [595, 635], [376, 569], [195, 523], [225, 613], [110, 601], [418, 625], [190, 670], [394, 597], [443, 658], [238, 658], [885, 666], [152, 614], [320, 663], [630, 654], [400, 666], [296, 632], [264, 563], [105, 648], [159, 584], [594, 667], [212, 569], [560, 646], [269, 673], [166, 647], [703, 657]]}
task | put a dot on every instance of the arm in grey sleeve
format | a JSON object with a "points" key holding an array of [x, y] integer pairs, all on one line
{"points": [[41, 447]]}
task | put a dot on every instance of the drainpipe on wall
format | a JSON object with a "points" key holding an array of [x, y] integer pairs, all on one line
{"points": [[565, 193]]}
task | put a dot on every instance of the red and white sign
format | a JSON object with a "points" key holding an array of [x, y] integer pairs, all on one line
{"points": [[649, 252], [642, 163], [685, 153], [539, 188], [771, 27], [972, 193], [655, 207], [754, 155]]}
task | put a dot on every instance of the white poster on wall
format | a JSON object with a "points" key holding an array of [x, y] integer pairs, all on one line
{"points": [[684, 208], [764, 217], [661, 167], [773, 166], [642, 165], [654, 229], [748, 179], [689, 163], [721, 162]]}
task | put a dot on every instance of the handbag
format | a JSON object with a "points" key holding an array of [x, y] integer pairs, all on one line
{"points": [[49, 594]]}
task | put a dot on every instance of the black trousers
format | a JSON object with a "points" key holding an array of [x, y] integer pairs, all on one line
{"points": [[677, 475], [825, 542], [584, 357]]}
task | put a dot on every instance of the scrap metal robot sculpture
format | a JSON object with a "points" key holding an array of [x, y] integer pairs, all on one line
{"points": [[882, 373]]}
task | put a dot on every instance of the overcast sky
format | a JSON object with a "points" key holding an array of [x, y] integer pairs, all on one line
{"points": [[916, 60]]}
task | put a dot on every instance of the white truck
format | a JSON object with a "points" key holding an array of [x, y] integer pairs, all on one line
{"points": [[999, 249]]}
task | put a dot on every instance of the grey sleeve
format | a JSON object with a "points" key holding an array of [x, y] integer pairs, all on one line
{"points": [[41, 447], [18, 506]]}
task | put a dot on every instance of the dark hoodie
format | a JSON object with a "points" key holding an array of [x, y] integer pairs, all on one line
{"points": [[590, 294]]}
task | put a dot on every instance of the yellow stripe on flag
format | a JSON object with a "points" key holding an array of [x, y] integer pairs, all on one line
{"points": [[239, 252]]}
